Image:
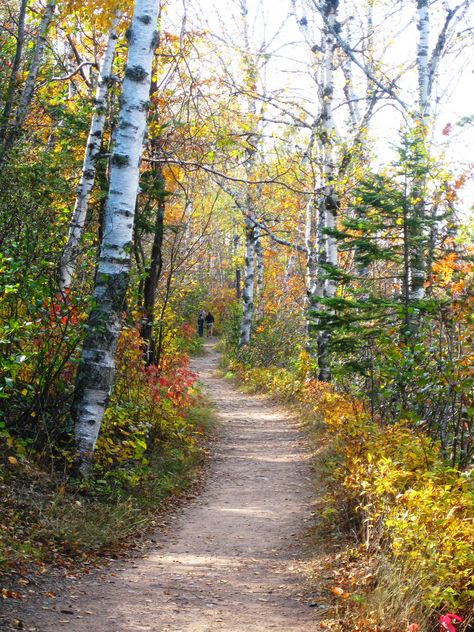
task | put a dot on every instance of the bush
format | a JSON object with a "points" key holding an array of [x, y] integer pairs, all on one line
{"points": [[147, 414], [414, 512]]}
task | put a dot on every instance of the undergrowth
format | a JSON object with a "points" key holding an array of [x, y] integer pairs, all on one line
{"points": [[152, 443]]}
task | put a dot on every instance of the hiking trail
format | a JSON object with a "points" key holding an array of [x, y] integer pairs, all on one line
{"points": [[230, 559]]}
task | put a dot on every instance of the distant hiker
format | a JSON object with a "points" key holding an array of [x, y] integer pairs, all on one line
{"points": [[201, 317], [210, 323]]}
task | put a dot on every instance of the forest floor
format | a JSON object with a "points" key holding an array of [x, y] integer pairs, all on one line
{"points": [[231, 558]]}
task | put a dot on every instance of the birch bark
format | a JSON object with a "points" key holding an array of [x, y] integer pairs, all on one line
{"points": [[251, 232], [248, 289], [423, 26], [260, 271], [312, 287], [96, 369], [327, 248], [427, 68], [417, 235], [92, 152]]}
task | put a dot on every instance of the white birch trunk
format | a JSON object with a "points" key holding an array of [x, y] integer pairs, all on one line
{"points": [[422, 59], [251, 195], [417, 242], [28, 88], [92, 151], [311, 234], [260, 272], [329, 206], [427, 68], [96, 369], [249, 284]]}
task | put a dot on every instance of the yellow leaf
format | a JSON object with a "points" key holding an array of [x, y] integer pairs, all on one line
{"points": [[12, 460]]}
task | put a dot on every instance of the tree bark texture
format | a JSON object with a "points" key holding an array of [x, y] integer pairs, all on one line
{"points": [[417, 222], [422, 59], [251, 234], [96, 369], [326, 286], [311, 262], [260, 275], [91, 154], [249, 284], [153, 275]]}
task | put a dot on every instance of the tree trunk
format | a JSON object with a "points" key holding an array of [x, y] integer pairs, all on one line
{"points": [[96, 369], [10, 93], [251, 234], [92, 152], [235, 248], [417, 235], [422, 58], [328, 207], [311, 267], [260, 271], [249, 277], [28, 88], [153, 275]]}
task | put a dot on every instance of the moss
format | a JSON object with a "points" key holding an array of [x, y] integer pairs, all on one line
{"points": [[136, 73], [146, 19], [120, 160]]}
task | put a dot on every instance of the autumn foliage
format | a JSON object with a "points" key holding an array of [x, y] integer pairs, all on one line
{"points": [[413, 512]]}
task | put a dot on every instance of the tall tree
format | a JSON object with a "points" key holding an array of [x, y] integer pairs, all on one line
{"points": [[96, 369], [91, 154], [250, 210]]}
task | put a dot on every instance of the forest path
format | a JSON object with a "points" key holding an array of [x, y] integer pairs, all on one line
{"points": [[231, 558]]}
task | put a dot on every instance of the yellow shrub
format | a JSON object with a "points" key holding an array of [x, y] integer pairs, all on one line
{"points": [[412, 506]]}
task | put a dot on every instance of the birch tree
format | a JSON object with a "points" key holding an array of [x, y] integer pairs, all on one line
{"points": [[260, 311], [322, 208], [96, 369], [251, 231], [91, 154], [427, 65]]}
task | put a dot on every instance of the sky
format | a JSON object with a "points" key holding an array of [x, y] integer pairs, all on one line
{"points": [[289, 71]]}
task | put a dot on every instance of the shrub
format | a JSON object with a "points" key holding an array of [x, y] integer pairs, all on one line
{"points": [[413, 510]]}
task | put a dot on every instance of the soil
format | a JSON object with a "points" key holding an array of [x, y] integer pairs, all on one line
{"points": [[230, 559]]}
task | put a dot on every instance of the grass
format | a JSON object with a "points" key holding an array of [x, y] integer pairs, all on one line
{"points": [[48, 520]]}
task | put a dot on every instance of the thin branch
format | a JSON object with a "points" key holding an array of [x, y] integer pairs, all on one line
{"points": [[74, 72], [197, 165]]}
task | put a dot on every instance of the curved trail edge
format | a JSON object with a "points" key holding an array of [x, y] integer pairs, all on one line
{"points": [[231, 559]]}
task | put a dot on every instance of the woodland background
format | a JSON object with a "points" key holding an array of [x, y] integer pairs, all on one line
{"points": [[305, 177]]}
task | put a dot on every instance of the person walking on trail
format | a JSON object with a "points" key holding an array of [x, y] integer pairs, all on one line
{"points": [[201, 317], [210, 324]]}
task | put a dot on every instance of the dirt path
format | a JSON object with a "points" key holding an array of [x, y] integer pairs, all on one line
{"points": [[231, 560]]}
